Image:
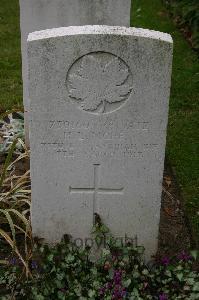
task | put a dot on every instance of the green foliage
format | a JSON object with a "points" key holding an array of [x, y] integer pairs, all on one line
{"points": [[10, 131], [10, 56], [67, 272], [182, 138], [15, 193], [187, 12]]}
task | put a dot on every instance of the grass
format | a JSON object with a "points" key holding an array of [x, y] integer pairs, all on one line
{"points": [[10, 56], [183, 129], [182, 141]]}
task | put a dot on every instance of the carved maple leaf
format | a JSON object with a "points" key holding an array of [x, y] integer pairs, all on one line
{"points": [[96, 84]]}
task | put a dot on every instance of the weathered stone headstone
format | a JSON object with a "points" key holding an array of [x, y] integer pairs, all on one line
{"points": [[99, 106], [45, 14]]}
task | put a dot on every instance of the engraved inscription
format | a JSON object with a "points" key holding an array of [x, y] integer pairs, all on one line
{"points": [[96, 139], [106, 124], [99, 82], [96, 189]]}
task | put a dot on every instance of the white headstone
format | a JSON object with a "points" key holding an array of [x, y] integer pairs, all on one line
{"points": [[99, 106], [45, 14]]}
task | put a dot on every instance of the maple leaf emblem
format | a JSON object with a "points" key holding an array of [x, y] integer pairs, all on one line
{"points": [[96, 84]]}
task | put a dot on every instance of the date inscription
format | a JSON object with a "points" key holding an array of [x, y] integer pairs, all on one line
{"points": [[93, 140]]}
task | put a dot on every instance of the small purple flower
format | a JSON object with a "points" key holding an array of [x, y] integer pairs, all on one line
{"points": [[123, 292], [102, 291], [34, 265], [117, 276], [163, 297], [13, 261], [109, 285], [63, 290], [119, 292], [184, 256], [116, 294], [114, 258], [165, 261], [145, 285]]}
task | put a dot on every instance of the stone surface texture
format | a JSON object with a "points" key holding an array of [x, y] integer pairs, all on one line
{"points": [[45, 14], [99, 108]]}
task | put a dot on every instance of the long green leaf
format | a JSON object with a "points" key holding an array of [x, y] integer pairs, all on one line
{"points": [[23, 231], [22, 217], [11, 224], [7, 162], [10, 242]]}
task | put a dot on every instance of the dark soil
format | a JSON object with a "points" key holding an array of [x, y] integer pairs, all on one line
{"points": [[174, 232]]}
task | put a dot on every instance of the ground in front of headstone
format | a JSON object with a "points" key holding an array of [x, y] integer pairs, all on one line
{"points": [[174, 234]]}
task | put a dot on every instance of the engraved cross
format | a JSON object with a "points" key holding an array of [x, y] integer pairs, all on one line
{"points": [[96, 190]]}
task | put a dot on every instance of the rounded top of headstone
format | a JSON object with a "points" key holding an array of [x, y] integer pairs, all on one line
{"points": [[101, 30]]}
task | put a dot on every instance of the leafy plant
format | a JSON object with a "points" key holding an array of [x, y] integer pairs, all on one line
{"points": [[12, 129], [15, 194], [186, 13], [67, 272]]}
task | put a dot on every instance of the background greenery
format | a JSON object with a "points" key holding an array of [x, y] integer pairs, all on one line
{"points": [[182, 142], [186, 13], [10, 56]]}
